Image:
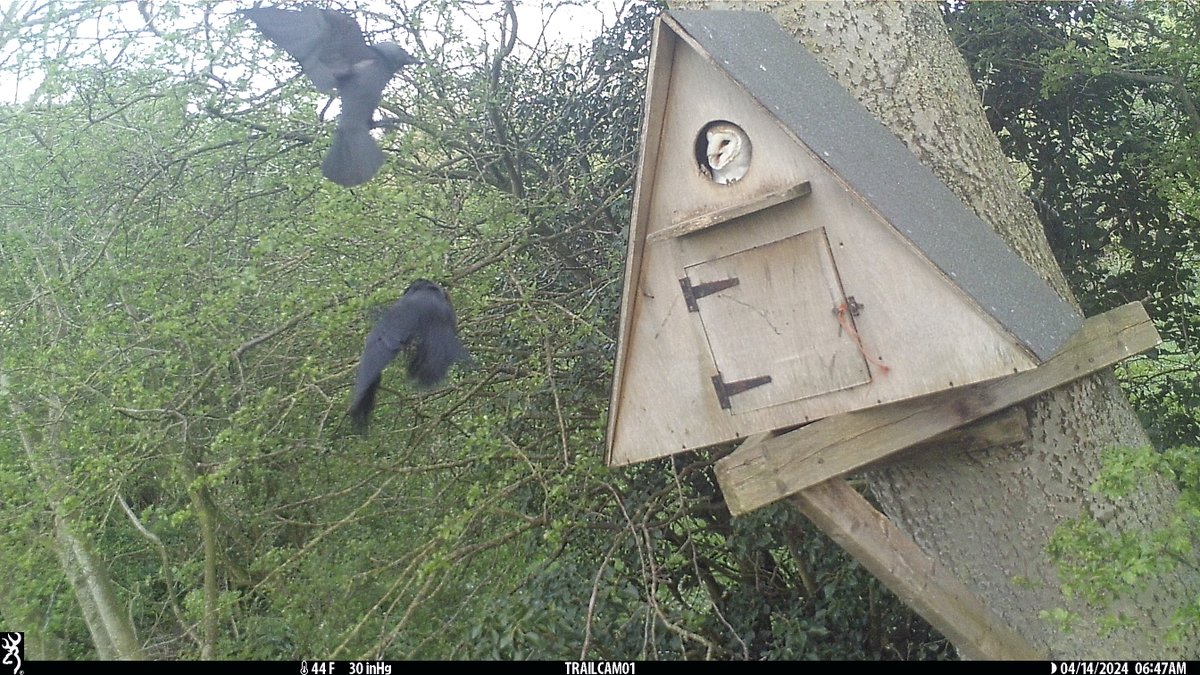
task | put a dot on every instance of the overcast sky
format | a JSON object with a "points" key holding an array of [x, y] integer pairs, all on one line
{"points": [[564, 22]]}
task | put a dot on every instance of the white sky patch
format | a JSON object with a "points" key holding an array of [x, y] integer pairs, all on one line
{"points": [[565, 24], [120, 31]]}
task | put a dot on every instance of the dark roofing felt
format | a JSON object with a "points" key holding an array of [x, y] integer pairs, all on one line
{"points": [[786, 80]]}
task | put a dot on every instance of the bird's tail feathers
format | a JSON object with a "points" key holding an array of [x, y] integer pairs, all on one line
{"points": [[353, 158], [434, 355], [360, 410]]}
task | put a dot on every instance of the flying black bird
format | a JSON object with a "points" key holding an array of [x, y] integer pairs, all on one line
{"points": [[331, 50], [423, 323]]}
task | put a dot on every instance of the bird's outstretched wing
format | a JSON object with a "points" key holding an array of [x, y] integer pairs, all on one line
{"points": [[333, 53], [422, 322], [327, 43]]}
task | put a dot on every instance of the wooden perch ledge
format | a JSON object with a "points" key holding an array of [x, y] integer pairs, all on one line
{"points": [[745, 208]]}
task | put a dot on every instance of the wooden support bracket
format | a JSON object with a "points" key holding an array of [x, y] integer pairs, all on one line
{"points": [[917, 579], [881, 547], [757, 474], [1003, 428]]}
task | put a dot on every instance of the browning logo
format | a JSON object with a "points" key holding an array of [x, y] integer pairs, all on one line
{"points": [[12, 645]]}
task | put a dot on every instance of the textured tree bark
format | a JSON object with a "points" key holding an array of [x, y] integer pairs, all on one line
{"points": [[987, 515], [112, 633], [206, 514]]}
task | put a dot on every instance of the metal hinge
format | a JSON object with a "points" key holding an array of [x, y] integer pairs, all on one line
{"points": [[692, 293], [727, 389]]}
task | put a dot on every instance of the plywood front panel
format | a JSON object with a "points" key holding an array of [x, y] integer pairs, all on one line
{"points": [[915, 321], [700, 94], [779, 321]]}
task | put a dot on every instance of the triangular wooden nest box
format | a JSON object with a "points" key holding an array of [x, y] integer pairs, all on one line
{"points": [[838, 273]]}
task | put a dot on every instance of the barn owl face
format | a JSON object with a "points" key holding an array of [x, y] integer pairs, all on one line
{"points": [[728, 152]]}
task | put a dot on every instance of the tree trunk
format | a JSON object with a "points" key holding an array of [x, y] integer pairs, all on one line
{"points": [[989, 515], [110, 627], [112, 633]]}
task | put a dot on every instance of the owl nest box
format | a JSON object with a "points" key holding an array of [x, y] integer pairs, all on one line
{"points": [[790, 259]]}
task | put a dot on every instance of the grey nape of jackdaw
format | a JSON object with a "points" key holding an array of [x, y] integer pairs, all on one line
{"points": [[422, 323], [333, 53]]}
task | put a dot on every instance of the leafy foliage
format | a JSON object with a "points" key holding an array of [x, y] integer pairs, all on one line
{"points": [[1101, 565]]}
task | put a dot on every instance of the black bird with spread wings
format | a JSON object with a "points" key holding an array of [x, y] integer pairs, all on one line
{"points": [[333, 53], [423, 323]]}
